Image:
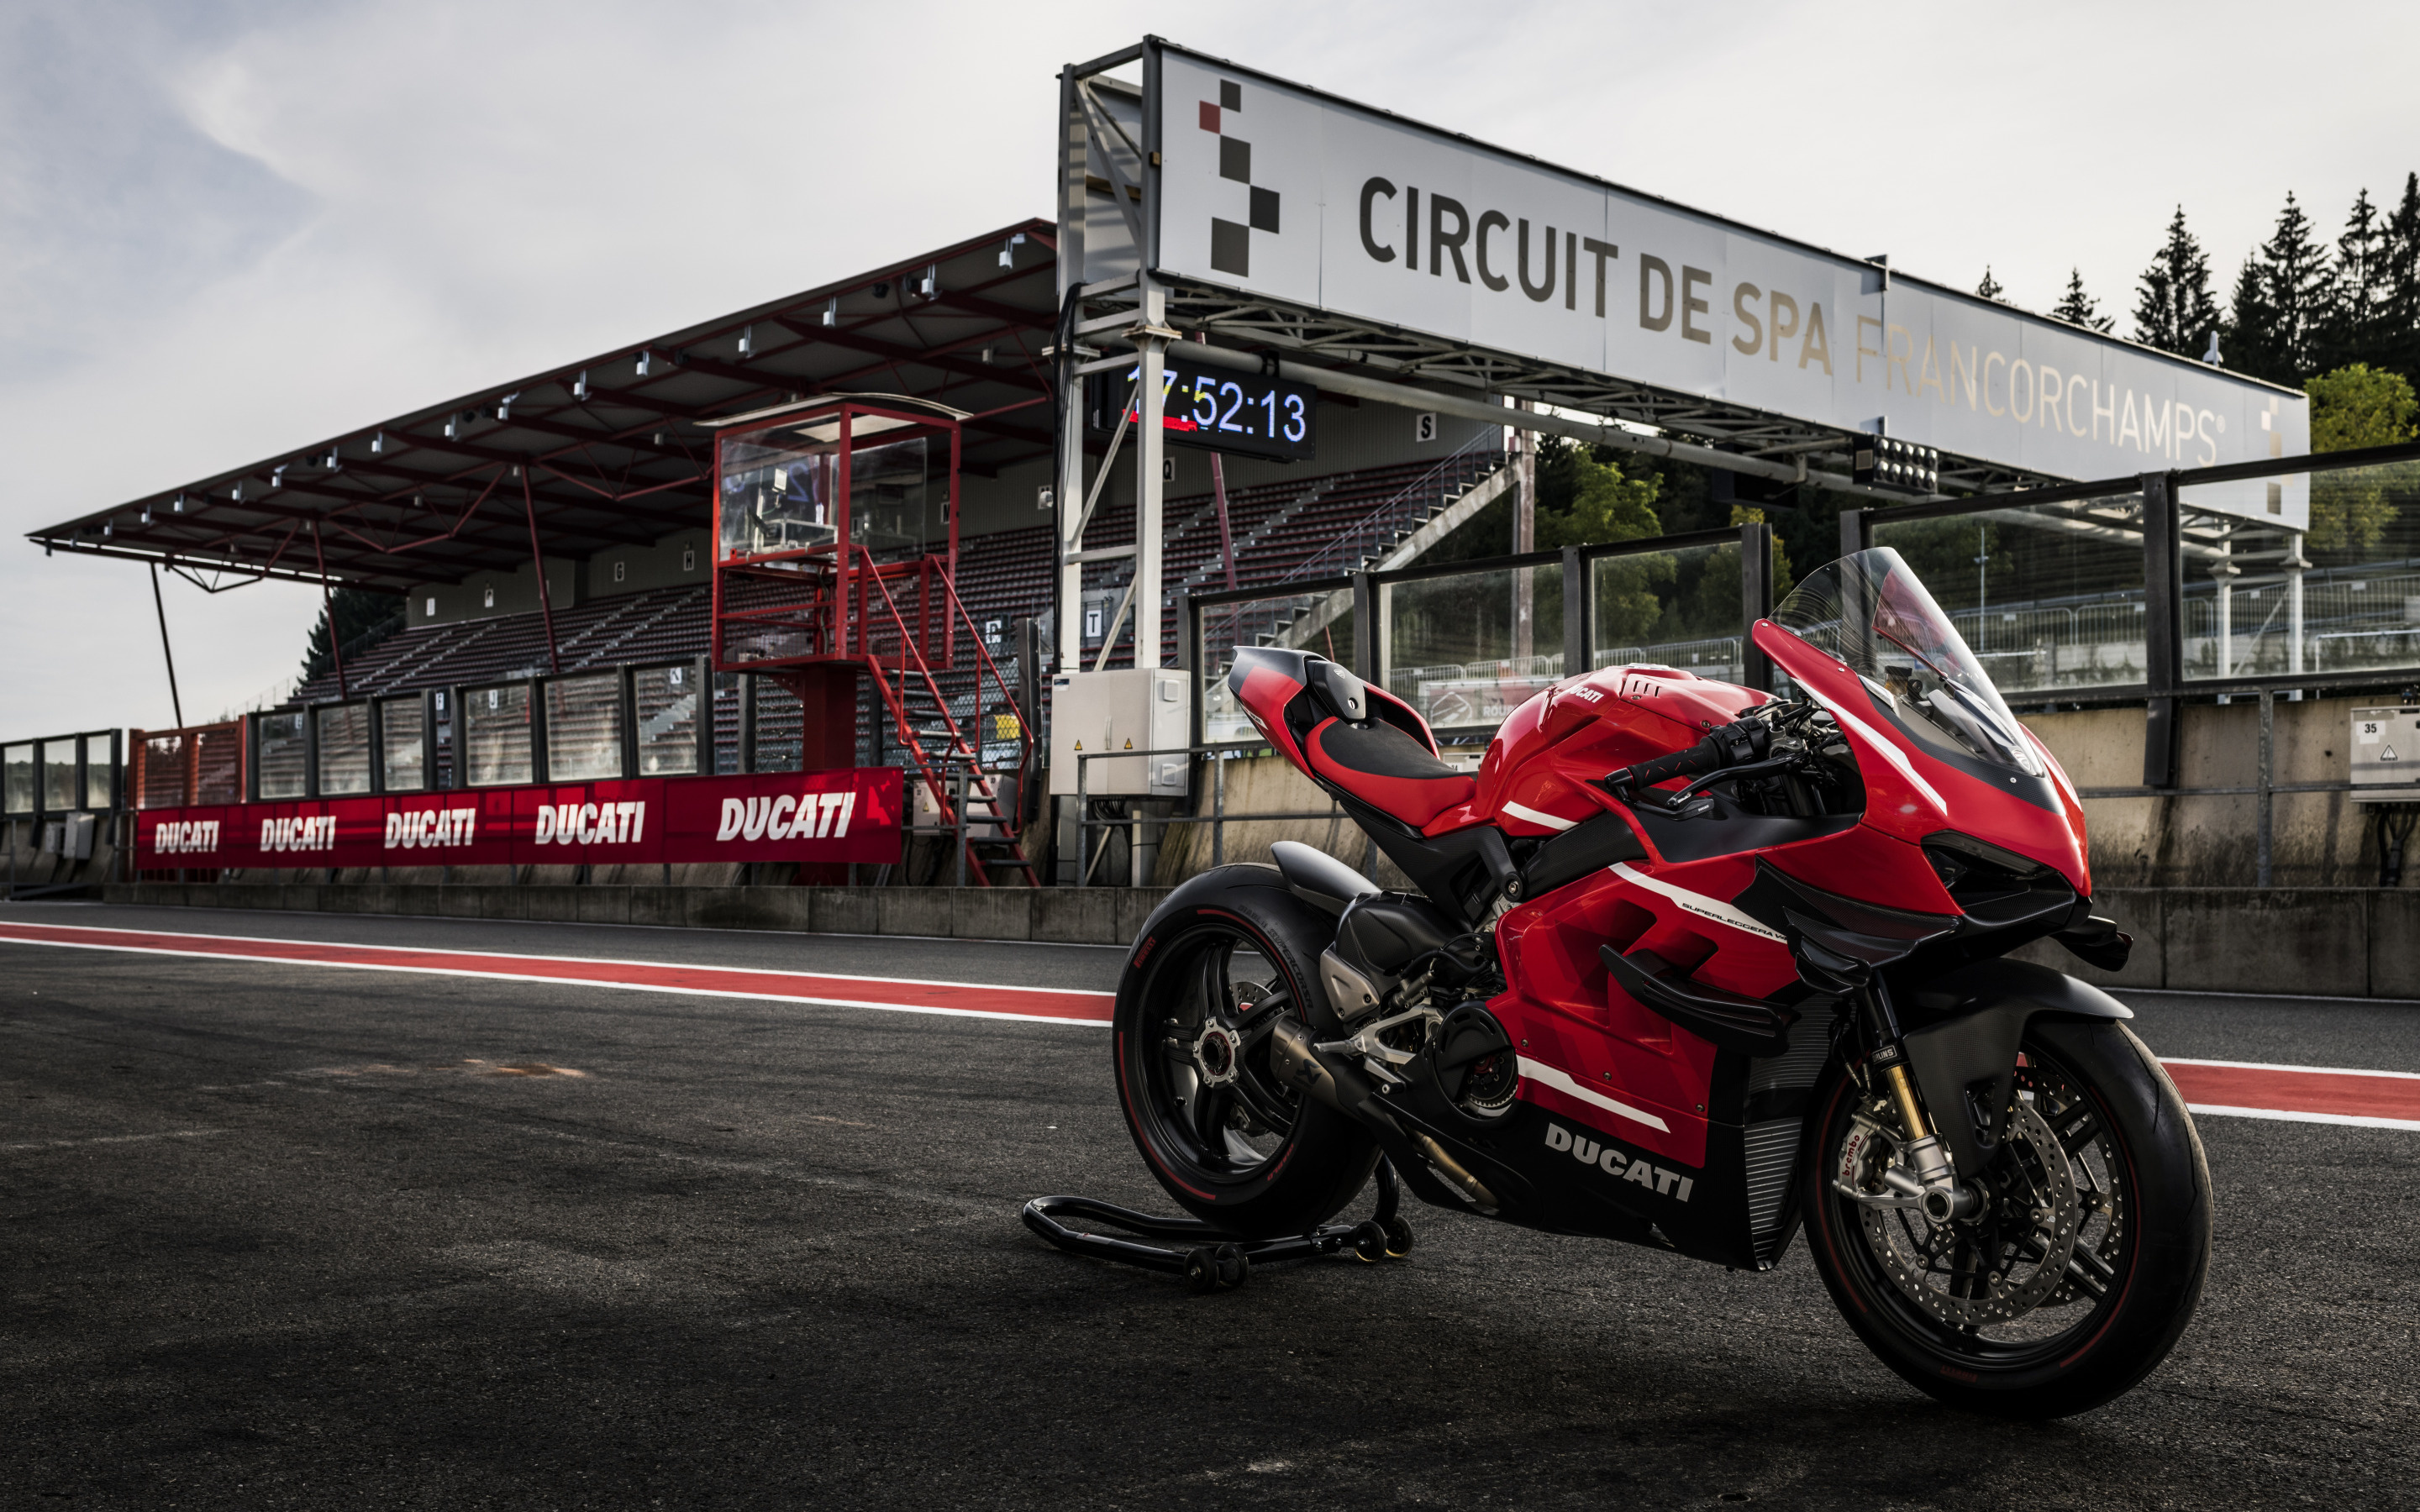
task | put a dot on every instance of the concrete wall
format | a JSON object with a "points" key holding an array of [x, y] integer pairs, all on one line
{"points": [[2318, 840], [1081, 916], [2290, 942]]}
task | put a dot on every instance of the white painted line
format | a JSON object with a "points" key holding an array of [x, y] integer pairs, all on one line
{"points": [[2313, 1070], [2214, 1110]]}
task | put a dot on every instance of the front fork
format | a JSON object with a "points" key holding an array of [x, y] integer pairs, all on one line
{"points": [[1939, 1195]]}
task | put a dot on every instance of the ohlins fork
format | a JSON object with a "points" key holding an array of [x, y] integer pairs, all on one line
{"points": [[1938, 1194]]}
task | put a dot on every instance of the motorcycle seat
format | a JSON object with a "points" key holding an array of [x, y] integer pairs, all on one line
{"points": [[1387, 769]]}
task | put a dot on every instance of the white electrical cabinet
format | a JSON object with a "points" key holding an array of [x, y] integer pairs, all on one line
{"points": [[1138, 709], [2385, 754]]}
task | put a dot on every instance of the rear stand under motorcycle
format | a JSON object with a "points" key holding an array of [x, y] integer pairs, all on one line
{"points": [[1210, 1258]]}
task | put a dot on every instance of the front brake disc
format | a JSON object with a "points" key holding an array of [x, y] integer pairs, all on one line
{"points": [[2027, 1256]]}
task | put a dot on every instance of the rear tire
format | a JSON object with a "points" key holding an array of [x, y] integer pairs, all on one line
{"points": [[1223, 959], [1977, 1314]]}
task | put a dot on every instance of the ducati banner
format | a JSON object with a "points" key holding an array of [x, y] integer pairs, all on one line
{"points": [[853, 815]]}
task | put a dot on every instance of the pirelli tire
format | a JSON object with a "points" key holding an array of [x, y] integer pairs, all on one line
{"points": [[1225, 957], [2129, 1280]]}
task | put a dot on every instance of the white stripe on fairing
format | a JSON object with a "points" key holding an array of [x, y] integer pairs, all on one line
{"points": [[1697, 904], [1545, 1075], [1523, 812], [1888, 751], [2358, 1120]]}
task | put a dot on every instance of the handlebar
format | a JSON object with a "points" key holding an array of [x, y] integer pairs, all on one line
{"points": [[1732, 745]]}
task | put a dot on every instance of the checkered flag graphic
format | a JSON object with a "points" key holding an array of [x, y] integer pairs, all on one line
{"points": [[1231, 241]]}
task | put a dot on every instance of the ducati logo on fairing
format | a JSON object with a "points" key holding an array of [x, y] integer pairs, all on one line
{"points": [[1616, 1162]]}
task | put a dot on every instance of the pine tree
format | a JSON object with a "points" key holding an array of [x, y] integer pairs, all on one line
{"points": [[2402, 280], [2077, 308], [2355, 328], [362, 619], [2295, 283], [2248, 338], [1990, 289], [2174, 310]]}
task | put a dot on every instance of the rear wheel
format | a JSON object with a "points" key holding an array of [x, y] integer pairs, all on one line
{"points": [[1221, 963], [2083, 1265]]}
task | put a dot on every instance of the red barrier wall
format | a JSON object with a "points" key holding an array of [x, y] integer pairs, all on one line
{"points": [[853, 815]]}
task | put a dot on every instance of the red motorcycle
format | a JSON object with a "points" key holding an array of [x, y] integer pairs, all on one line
{"points": [[1690, 966]]}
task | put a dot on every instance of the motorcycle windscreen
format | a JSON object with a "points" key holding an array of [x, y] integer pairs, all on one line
{"points": [[1936, 743]]}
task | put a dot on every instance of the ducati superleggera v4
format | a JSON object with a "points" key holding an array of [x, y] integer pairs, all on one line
{"points": [[1694, 967]]}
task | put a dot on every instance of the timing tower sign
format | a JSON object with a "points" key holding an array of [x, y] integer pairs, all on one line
{"points": [[1275, 190]]}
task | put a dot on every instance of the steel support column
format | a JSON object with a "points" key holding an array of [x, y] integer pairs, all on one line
{"points": [[537, 560], [2164, 593]]}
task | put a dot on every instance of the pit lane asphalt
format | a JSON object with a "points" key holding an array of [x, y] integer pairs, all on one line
{"points": [[284, 1236]]}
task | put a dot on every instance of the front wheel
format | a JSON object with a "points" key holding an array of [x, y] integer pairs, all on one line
{"points": [[2082, 1267], [1225, 959]]}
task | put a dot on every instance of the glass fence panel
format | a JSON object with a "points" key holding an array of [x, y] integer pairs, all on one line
{"points": [[1467, 649], [100, 778], [583, 728], [496, 735], [404, 758], [2048, 596], [17, 778], [1672, 608], [2312, 572], [281, 756], [218, 764], [1318, 620], [667, 715], [344, 750], [59, 775]]}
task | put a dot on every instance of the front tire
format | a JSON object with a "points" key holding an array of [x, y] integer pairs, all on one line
{"points": [[1226, 957], [2085, 1264]]}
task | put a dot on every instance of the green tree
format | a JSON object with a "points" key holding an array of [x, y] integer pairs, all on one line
{"points": [[2352, 408], [2295, 285], [2402, 276], [2077, 308], [2173, 307], [1990, 288], [1605, 505], [2248, 339], [2356, 329], [363, 620]]}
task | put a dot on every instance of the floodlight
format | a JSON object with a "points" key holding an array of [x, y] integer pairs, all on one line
{"points": [[504, 405], [105, 528], [831, 311], [147, 513], [930, 284], [239, 492], [453, 426], [1008, 252], [747, 341], [178, 507], [579, 385], [336, 460], [647, 362], [277, 474], [378, 443]]}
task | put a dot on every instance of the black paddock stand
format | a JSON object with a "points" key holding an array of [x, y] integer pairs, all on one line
{"points": [[1210, 1258]]}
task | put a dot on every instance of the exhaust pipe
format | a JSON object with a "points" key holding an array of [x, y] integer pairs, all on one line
{"points": [[1344, 1088]]}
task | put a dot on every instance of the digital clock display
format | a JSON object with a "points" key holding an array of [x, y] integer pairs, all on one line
{"points": [[1215, 407]]}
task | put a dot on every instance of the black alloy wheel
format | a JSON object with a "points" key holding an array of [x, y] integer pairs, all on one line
{"points": [[1201, 995], [2082, 1267]]}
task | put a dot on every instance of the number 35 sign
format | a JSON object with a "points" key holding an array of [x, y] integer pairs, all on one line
{"points": [[1215, 407]]}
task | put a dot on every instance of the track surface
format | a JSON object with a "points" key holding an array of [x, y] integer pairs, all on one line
{"points": [[273, 1234]]}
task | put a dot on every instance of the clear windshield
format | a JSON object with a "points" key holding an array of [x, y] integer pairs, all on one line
{"points": [[1868, 612]]}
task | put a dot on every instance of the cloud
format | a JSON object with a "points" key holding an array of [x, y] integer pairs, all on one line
{"points": [[230, 229]]}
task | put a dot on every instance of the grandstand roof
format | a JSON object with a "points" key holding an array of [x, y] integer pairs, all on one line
{"points": [[600, 451]]}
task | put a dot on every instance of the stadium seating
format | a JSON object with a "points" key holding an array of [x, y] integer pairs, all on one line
{"points": [[1292, 529]]}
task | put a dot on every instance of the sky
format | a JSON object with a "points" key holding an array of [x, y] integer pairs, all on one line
{"points": [[230, 227]]}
